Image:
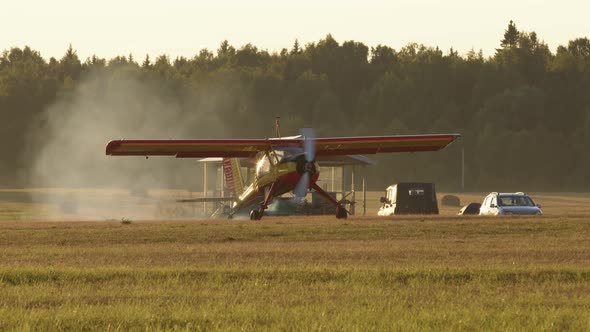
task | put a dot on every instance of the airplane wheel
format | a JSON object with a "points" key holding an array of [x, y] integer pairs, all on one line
{"points": [[341, 213], [255, 215]]}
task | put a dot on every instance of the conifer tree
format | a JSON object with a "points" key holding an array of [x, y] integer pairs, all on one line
{"points": [[146, 62], [510, 36]]}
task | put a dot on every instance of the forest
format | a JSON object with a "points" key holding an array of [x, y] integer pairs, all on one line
{"points": [[524, 112]]}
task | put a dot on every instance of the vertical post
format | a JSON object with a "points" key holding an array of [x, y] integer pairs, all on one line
{"points": [[332, 179], [343, 181], [364, 198], [222, 181], [204, 187], [278, 126], [462, 168], [352, 189]]}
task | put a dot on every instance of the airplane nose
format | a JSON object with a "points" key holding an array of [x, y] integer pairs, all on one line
{"points": [[304, 166]]}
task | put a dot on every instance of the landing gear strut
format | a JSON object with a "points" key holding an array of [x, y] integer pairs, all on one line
{"points": [[341, 212], [255, 215]]}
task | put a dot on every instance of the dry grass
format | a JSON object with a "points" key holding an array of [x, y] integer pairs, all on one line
{"points": [[115, 204], [319, 273]]}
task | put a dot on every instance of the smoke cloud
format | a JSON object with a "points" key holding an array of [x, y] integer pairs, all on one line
{"points": [[67, 145]]}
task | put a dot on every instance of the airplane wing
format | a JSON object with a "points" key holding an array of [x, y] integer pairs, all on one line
{"points": [[248, 148], [333, 146], [197, 148]]}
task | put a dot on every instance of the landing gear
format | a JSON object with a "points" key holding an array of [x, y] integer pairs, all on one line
{"points": [[255, 215], [341, 213]]}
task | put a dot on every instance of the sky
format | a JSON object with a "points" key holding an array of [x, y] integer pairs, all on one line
{"points": [[182, 27]]}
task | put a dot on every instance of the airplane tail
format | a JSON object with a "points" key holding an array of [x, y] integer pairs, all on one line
{"points": [[233, 176]]}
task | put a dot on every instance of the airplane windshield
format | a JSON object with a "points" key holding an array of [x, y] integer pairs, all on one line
{"points": [[262, 166], [285, 154]]}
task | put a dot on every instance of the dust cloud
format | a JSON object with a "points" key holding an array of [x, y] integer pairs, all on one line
{"points": [[67, 144]]}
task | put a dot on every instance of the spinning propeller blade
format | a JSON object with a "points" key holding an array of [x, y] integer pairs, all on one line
{"points": [[302, 187], [308, 143]]}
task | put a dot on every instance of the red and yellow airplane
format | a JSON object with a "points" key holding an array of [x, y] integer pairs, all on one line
{"points": [[283, 164]]}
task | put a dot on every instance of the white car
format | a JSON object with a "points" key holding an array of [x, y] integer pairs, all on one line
{"points": [[496, 204]]}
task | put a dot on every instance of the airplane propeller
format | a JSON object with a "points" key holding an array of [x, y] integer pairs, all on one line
{"points": [[302, 187], [308, 144], [309, 154]]}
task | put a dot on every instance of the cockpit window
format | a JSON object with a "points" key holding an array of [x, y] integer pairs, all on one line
{"points": [[286, 153], [263, 166]]}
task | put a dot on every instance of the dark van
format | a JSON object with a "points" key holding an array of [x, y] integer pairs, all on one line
{"points": [[409, 198]]}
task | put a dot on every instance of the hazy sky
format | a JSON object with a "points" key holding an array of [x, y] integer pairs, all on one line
{"points": [[182, 27]]}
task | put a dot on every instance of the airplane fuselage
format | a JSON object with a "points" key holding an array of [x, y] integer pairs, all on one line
{"points": [[284, 175]]}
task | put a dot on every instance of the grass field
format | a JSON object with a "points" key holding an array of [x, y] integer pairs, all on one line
{"points": [[295, 273]]}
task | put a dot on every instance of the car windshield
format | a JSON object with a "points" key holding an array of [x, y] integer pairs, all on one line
{"points": [[514, 200]]}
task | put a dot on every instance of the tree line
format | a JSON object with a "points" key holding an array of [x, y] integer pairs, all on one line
{"points": [[524, 112]]}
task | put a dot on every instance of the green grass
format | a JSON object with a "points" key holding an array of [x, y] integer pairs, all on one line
{"points": [[442, 273], [295, 298]]}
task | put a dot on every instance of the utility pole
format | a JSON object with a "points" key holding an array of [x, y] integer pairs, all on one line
{"points": [[462, 168], [278, 126], [364, 198]]}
